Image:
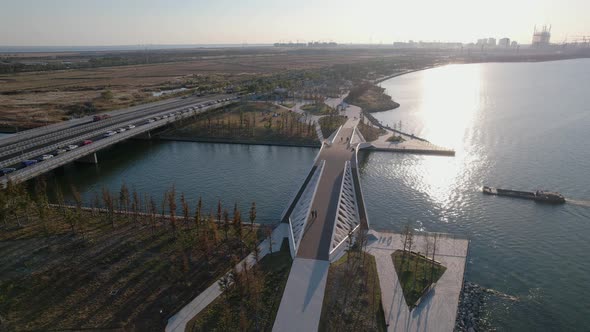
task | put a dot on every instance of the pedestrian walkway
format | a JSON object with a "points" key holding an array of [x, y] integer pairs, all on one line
{"points": [[177, 323], [318, 234], [438, 310], [301, 305]]}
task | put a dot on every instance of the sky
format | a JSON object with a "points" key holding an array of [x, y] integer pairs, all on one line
{"points": [[142, 22]]}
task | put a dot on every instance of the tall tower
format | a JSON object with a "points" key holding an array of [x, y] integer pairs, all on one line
{"points": [[541, 37]]}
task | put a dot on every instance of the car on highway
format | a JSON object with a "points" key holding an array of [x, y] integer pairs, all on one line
{"points": [[151, 120], [109, 133], [120, 130], [7, 170], [86, 142], [45, 157], [59, 151], [71, 147], [130, 126], [165, 116], [26, 163]]}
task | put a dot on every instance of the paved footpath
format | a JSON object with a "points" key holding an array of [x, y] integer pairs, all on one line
{"points": [[177, 323], [438, 310], [301, 304]]}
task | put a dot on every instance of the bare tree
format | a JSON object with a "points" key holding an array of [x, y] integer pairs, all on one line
{"points": [[185, 209], [213, 229], [153, 211], [238, 227], [163, 204], [172, 207], [108, 203], [252, 215], [433, 257], [124, 198], [219, 210], [135, 206], [410, 241], [226, 223], [198, 214]]}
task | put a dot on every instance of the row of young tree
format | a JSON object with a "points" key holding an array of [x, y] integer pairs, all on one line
{"points": [[354, 300], [198, 236], [430, 246], [244, 307], [287, 124], [19, 206]]}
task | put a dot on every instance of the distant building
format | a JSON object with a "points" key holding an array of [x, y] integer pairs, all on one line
{"points": [[504, 42], [514, 44], [541, 38], [423, 44], [482, 42], [491, 41]]}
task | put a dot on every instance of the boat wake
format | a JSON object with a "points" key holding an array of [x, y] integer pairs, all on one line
{"points": [[579, 202]]}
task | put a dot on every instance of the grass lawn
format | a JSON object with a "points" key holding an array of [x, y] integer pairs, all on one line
{"points": [[352, 300], [252, 302], [331, 123], [371, 98], [288, 105], [395, 139], [249, 122], [416, 273], [369, 132], [318, 109]]}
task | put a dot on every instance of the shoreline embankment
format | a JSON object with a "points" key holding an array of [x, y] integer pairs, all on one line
{"points": [[232, 141]]}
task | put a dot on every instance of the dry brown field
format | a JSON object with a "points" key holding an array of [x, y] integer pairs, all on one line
{"points": [[30, 99]]}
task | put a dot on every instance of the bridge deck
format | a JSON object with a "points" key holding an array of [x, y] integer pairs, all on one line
{"points": [[316, 239]]}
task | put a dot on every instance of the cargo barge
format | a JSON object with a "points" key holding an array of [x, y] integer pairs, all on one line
{"points": [[537, 196]]}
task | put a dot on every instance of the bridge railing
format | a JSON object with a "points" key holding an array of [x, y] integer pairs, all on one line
{"points": [[300, 214], [27, 137], [61, 135], [73, 155], [344, 228]]}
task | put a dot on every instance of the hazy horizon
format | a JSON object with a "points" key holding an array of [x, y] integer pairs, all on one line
{"points": [[181, 22]]}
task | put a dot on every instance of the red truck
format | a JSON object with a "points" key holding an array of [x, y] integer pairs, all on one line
{"points": [[100, 117]]}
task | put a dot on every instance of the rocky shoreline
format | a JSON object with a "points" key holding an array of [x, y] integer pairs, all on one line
{"points": [[471, 304]]}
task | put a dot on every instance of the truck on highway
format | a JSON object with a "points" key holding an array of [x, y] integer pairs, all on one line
{"points": [[100, 117]]}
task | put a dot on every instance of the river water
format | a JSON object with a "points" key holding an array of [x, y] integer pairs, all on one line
{"points": [[232, 173], [522, 126], [514, 125]]}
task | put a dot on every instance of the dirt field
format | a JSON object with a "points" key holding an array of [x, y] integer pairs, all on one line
{"points": [[32, 98], [129, 277]]}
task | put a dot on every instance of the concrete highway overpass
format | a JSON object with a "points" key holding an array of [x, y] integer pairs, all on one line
{"points": [[30, 153]]}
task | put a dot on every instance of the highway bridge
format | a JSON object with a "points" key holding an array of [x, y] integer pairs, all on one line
{"points": [[30, 153]]}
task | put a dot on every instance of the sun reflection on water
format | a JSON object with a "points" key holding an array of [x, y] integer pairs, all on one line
{"points": [[447, 109], [450, 101]]}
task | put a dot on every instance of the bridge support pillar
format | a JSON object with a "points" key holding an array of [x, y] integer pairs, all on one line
{"points": [[89, 159], [144, 136]]}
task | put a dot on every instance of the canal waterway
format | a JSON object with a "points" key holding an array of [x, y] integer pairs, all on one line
{"points": [[232, 173], [522, 126]]}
